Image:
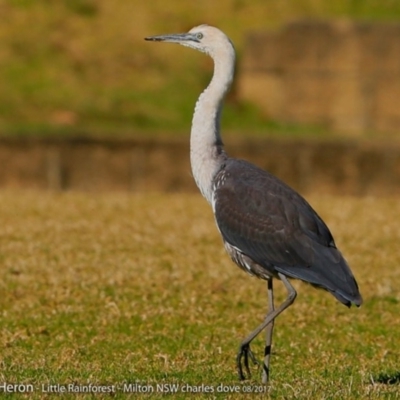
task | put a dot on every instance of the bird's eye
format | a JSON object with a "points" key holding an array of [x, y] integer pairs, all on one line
{"points": [[199, 36]]}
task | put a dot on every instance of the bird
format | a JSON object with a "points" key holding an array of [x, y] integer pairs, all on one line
{"points": [[268, 229]]}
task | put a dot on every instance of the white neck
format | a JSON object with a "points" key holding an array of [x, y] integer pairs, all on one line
{"points": [[206, 148]]}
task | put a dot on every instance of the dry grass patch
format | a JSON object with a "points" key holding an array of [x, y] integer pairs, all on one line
{"points": [[116, 288]]}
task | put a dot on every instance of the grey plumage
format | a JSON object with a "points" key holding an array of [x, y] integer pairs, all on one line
{"points": [[277, 229]]}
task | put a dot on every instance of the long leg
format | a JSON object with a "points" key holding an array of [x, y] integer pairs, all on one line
{"points": [[270, 329], [244, 348]]}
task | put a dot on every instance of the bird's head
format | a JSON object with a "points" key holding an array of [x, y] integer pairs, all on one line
{"points": [[205, 38]]}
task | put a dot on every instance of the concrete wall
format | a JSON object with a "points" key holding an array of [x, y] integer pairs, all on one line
{"points": [[145, 165], [343, 75]]}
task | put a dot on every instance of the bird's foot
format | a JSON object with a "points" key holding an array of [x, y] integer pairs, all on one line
{"points": [[265, 375], [244, 355]]}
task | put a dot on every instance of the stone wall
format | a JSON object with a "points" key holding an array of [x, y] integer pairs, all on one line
{"points": [[146, 165], [342, 75]]}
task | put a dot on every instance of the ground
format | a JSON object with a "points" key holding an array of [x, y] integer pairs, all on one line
{"points": [[114, 289]]}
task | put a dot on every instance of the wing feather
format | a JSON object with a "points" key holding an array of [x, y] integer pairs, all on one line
{"points": [[273, 225]]}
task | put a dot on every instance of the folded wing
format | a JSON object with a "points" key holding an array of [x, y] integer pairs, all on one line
{"points": [[275, 227]]}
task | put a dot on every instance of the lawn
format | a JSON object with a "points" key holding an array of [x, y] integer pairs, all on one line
{"points": [[119, 289]]}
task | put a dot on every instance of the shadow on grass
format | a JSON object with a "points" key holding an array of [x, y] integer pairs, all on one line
{"points": [[391, 378]]}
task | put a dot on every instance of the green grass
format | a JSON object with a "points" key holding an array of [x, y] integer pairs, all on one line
{"points": [[83, 64], [115, 288]]}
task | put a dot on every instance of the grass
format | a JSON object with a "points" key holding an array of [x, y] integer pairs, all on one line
{"points": [[116, 288], [83, 65]]}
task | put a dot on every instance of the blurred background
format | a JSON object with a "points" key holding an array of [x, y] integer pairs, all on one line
{"points": [[87, 104]]}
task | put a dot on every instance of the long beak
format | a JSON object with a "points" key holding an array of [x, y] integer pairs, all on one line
{"points": [[174, 38]]}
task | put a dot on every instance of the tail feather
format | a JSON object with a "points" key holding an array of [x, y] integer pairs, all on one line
{"points": [[330, 271]]}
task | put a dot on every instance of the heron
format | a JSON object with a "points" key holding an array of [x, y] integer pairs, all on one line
{"points": [[268, 229]]}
